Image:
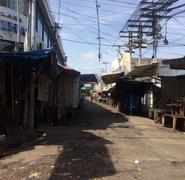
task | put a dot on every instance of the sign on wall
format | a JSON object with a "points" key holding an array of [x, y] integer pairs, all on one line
{"points": [[9, 27]]}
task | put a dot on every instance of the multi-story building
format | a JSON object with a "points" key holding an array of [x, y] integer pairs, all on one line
{"points": [[34, 84], [28, 25]]}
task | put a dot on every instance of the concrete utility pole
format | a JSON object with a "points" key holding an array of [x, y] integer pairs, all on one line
{"points": [[27, 46], [130, 47], [18, 27], [155, 34], [33, 24], [32, 82], [145, 22]]}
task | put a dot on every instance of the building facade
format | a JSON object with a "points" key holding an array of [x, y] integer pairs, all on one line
{"points": [[36, 85], [27, 25]]}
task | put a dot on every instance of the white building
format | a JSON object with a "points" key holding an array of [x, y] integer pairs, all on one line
{"points": [[126, 64], [123, 63]]}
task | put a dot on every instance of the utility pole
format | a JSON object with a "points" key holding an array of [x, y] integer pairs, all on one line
{"points": [[17, 42], [33, 24], [18, 27], [32, 81], [99, 36], [27, 46], [145, 21], [105, 63], [155, 33], [140, 43], [130, 48]]}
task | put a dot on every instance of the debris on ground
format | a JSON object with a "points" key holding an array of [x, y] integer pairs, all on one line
{"points": [[35, 175], [136, 161]]}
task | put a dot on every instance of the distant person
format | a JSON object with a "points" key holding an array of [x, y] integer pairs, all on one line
{"points": [[91, 96]]}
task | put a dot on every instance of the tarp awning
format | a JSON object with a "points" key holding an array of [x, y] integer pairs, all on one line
{"points": [[144, 71], [112, 77], [32, 58]]}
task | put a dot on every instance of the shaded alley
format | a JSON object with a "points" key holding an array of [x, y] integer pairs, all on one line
{"points": [[99, 143]]}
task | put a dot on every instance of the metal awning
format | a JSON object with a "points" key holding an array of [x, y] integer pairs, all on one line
{"points": [[6, 46], [88, 79], [144, 71], [112, 77], [67, 69], [178, 63]]}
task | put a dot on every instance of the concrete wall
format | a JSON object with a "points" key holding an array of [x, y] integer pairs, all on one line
{"points": [[125, 63]]}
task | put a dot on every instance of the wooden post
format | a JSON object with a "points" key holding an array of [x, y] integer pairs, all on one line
{"points": [[174, 123], [163, 120]]}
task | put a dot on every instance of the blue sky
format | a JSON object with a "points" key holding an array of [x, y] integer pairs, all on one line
{"points": [[78, 21]]}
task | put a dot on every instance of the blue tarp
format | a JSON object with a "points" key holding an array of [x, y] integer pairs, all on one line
{"points": [[31, 58]]}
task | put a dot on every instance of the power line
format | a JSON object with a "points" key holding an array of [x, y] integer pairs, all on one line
{"points": [[99, 36], [83, 23], [59, 10], [85, 42]]}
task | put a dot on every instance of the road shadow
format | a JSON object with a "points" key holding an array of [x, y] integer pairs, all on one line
{"points": [[84, 159], [82, 153], [86, 156]]}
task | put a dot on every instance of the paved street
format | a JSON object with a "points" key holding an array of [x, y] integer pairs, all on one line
{"points": [[100, 143]]}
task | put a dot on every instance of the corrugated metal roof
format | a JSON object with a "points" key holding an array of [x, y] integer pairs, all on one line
{"points": [[178, 63], [112, 77], [165, 70], [144, 71]]}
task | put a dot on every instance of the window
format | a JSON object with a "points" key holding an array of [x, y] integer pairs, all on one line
{"points": [[39, 24], [4, 3], [49, 43], [45, 37], [40, 28], [12, 4]]}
